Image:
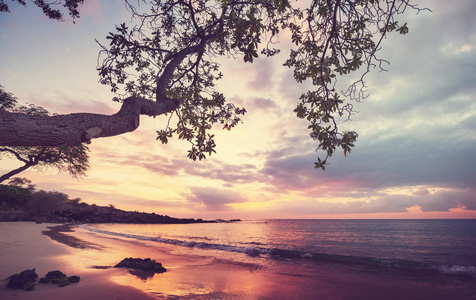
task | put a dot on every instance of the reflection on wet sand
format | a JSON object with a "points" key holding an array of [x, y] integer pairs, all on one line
{"points": [[201, 274]]}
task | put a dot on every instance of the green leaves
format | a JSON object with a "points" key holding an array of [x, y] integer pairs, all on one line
{"points": [[199, 152], [164, 135], [73, 159], [333, 39], [249, 52], [171, 49], [7, 100]]}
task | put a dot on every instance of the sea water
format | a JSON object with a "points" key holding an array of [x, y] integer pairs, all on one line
{"points": [[439, 247]]}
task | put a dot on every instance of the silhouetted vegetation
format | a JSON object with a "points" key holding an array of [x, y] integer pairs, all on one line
{"points": [[72, 159], [54, 10], [166, 62], [20, 201]]}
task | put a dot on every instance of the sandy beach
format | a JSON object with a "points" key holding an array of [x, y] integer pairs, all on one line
{"points": [[76, 251], [24, 247]]}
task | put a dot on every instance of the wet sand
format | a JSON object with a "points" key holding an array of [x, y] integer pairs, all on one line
{"points": [[190, 274], [22, 246]]}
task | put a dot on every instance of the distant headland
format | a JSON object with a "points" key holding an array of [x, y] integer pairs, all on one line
{"points": [[20, 204]]}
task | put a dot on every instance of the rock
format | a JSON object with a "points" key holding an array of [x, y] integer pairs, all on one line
{"points": [[141, 264], [101, 267], [59, 278], [73, 279], [24, 280]]}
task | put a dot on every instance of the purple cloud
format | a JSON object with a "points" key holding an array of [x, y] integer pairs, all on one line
{"points": [[212, 199]]}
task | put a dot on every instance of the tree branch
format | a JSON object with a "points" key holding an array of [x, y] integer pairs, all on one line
{"points": [[173, 64], [17, 155], [72, 129], [16, 171]]}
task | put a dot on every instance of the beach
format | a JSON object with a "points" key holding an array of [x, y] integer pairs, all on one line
{"points": [[191, 274]]}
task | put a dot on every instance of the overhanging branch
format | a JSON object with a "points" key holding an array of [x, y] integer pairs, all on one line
{"points": [[72, 129]]}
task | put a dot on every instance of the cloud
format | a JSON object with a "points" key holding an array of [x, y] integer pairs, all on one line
{"points": [[212, 199], [154, 163], [416, 129], [56, 101], [439, 201], [262, 75], [8, 72], [262, 105], [448, 199], [398, 161], [214, 169], [93, 11]]}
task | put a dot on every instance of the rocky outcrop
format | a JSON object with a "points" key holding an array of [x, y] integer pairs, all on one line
{"points": [[85, 213], [25, 280], [141, 264], [59, 278]]}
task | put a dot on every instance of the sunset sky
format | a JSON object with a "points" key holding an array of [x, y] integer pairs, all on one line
{"points": [[415, 156]]}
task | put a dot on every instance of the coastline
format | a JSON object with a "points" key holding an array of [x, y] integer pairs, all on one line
{"points": [[23, 246], [190, 274]]}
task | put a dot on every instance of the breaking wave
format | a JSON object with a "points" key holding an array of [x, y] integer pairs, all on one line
{"points": [[260, 250], [468, 271]]}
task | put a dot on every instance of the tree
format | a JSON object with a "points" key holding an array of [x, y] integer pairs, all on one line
{"points": [[165, 62], [73, 159], [16, 194], [22, 182], [44, 202], [71, 7]]}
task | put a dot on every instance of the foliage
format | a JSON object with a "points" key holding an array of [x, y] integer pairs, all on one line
{"points": [[171, 48], [71, 6], [17, 193], [47, 202], [72, 159], [22, 182], [13, 196], [7, 100], [20, 194]]}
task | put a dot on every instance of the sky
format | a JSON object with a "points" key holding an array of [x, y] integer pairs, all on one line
{"points": [[414, 158]]}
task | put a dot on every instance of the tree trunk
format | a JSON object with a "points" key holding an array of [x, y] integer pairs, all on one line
{"points": [[16, 171], [72, 129]]}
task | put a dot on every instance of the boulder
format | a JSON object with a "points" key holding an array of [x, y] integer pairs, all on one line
{"points": [[59, 278], [141, 264], [73, 279], [24, 280]]}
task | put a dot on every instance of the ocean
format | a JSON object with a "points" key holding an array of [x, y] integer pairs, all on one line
{"points": [[444, 249]]}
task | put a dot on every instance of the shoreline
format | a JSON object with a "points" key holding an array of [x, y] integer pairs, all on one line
{"points": [[191, 273], [56, 233], [25, 247]]}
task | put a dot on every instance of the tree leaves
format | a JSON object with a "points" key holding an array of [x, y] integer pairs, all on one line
{"points": [[170, 51], [71, 7], [73, 159]]}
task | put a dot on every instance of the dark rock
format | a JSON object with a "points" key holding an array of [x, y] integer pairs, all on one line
{"points": [[141, 264], [24, 280], [59, 278], [73, 279], [101, 267]]}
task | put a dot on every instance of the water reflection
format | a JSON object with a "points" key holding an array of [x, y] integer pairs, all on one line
{"points": [[143, 275]]}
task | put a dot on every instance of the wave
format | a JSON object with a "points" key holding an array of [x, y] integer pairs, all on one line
{"points": [[255, 249], [468, 271]]}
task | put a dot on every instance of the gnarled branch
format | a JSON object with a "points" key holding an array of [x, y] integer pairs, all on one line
{"points": [[67, 130]]}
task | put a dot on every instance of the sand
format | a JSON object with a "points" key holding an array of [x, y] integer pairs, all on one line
{"points": [[190, 274], [22, 246]]}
